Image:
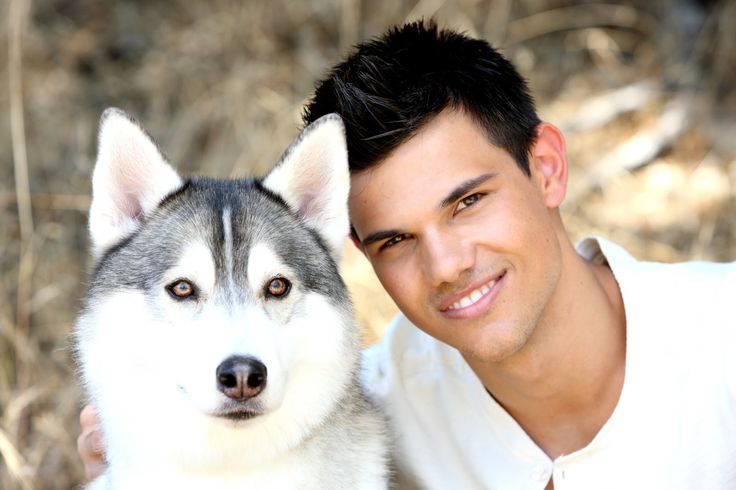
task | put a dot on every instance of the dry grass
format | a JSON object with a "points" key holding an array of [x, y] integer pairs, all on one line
{"points": [[220, 84]]}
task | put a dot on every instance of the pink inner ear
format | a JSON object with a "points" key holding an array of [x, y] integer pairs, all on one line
{"points": [[131, 187], [131, 206], [308, 204]]}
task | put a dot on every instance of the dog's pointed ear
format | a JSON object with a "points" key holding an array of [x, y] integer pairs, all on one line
{"points": [[313, 178], [130, 178]]}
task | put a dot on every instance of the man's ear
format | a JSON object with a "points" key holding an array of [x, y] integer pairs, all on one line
{"points": [[130, 178], [313, 178], [356, 241], [548, 164]]}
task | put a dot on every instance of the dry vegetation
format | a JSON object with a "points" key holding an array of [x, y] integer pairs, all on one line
{"points": [[644, 91]]}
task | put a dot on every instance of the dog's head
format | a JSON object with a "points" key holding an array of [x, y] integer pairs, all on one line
{"points": [[218, 300]]}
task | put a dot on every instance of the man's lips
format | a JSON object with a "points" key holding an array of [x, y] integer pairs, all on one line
{"points": [[472, 298]]}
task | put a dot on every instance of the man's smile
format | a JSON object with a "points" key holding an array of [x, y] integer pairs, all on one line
{"points": [[473, 300]]}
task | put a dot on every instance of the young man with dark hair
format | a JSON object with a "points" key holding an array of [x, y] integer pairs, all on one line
{"points": [[519, 361]]}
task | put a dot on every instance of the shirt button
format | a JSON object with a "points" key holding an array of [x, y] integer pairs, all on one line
{"points": [[541, 473]]}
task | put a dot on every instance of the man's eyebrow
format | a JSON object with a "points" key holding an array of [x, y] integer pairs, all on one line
{"points": [[377, 236], [463, 188], [453, 196]]}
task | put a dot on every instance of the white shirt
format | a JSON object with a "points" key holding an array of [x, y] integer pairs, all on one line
{"points": [[674, 426]]}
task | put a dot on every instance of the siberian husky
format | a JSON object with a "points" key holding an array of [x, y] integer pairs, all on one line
{"points": [[217, 339]]}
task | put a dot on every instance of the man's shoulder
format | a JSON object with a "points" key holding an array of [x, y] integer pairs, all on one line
{"points": [[405, 353], [708, 281], [400, 343], [683, 308]]}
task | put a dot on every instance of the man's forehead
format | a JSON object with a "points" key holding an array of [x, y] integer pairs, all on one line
{"points": [[425, 173]]}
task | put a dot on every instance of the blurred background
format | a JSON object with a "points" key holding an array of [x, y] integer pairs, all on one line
{"points": [[644, 91]]}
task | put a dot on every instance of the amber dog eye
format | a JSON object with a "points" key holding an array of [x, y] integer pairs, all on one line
{"points": [[181, 289], [278, 287]]}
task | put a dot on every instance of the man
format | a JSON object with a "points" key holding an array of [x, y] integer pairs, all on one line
{"points": [[518, 362]]}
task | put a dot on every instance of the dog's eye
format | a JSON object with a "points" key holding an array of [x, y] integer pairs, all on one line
{"points": [[181, 289], [278, 287]]}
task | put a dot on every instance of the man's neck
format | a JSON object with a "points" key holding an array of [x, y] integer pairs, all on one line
{"points": [[564, 384]]}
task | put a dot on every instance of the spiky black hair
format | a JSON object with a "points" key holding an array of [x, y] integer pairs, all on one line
{"points": [[392, 86]]}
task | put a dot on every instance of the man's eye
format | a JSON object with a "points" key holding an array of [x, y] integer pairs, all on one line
{"points": [[393, 241], [468, 201]]}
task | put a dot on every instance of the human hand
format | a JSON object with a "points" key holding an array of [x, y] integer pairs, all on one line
{"points": [[89, 443]]}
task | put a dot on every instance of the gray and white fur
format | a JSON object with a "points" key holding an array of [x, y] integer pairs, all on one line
{"points": [[217, 340]]}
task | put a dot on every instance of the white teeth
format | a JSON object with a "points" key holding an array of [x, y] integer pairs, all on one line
{"points": [[471, 298]]}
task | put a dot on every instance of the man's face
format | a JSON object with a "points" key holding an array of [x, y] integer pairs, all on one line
{"points": [[464, 242]]}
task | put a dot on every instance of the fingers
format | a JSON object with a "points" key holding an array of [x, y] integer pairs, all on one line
{"points": [[90, 445], [88, 417]]}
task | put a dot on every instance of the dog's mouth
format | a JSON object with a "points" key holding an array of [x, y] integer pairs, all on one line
{"points": [[232, 410], [236, 415], [238, 412]]}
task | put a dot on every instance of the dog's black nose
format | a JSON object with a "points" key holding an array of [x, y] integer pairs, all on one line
{"points": [[241, 378]]}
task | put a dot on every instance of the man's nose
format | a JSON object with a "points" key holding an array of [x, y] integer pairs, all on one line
{"points": [[445, 256]]}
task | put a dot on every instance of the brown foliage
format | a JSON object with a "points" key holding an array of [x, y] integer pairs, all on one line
{"points": [[643, 91]]}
